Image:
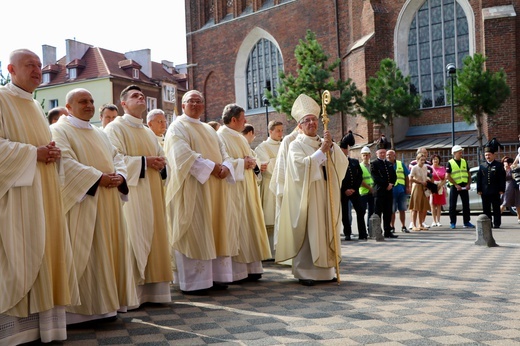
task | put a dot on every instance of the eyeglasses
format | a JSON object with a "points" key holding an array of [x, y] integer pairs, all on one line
{"points": [[308, 120], [194, 102]]}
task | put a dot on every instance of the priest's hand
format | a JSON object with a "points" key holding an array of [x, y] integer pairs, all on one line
{"points": [[216, 170], [249, 162], [110, 180], [224, 172], [327, 142], [156, 162], [48, 153]]}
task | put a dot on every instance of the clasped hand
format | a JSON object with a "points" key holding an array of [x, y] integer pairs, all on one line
{"points": [[156, 162], [220, 171], [110, 180], [48, 153]]}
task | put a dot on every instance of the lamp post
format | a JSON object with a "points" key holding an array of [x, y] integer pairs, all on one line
{"points": [[266, 105], [451, 70]]}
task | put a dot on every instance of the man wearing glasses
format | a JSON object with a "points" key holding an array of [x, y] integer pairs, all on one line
{"points": [[306, 229]]}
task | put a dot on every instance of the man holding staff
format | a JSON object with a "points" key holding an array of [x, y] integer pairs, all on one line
{"points": [[311, 210]]}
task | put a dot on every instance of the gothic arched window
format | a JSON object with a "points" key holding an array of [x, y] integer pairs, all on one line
{"points": [[438, 36], [263, 64]]}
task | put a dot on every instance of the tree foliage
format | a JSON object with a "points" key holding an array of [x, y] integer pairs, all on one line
{"points": [[313, 76], [478, 91], [389, 97]]}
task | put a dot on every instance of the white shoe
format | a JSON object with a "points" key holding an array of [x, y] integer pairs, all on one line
{"points": [[412, 226], [439, 224], [425, 225], [433, 224]]}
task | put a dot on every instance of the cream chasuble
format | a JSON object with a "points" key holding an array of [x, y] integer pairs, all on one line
{"points": [[306, 210], [267, 152], [201, 215], [36, 264], [145, 212], [252, 234], [96, 224]]}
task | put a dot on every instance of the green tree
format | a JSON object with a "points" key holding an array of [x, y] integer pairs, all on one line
{"points": [[478, 91], [389, 97], [313, 77]]}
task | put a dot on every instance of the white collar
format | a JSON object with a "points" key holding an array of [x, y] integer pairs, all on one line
{"points": [[76, 122]]}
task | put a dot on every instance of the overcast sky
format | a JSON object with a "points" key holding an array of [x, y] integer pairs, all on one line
{"points": [[120, 26]]}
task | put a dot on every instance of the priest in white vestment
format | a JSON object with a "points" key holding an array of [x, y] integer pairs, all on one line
{"points": [[200, 210], [253, 242], [145, 212], [156, 121], [306, 215], [37, 277], [93, 190], [266, 153]]}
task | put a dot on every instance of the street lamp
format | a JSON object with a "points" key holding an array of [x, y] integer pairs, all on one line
{"points": [[451, 70], [266, 105]]}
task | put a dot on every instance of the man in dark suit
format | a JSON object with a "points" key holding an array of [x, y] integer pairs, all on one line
{"points": [[350, 193], [384, 176], [491, 184]]}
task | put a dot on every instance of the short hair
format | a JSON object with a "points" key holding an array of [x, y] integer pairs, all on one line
{"points": [[420, 155], [273, 123], [55, 112], [153, 114], [187, 94], [126, 90], [248, 128], [420, 149], [214, 124], [435, 156], [231, 111], [109, 106]]}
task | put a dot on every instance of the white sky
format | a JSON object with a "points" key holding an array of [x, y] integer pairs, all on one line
{"points": [[120, 26]]}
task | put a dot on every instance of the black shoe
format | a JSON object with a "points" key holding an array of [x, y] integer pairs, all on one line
{"points": [[254, 277], [348, 239], [390, 235], [496, 226], [203, 292], [218, 287], [392, 229], [363, 238], [405, 230], [307, 282]]}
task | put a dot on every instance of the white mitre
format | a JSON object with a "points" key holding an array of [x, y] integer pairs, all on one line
{"points": [[305, 105]]}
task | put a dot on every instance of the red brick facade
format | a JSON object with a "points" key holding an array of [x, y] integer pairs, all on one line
{"points": [[340, 26]]}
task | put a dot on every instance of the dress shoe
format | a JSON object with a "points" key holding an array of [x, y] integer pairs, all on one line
{"points": [[254, 277], [404, 230], [363, 238], [307, 282], [218, 287], [390, 235], [203, 292], [392, 229]]}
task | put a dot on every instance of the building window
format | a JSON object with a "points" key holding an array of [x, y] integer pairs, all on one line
{"points": [[53, 103], [135, 73], [264, 63], [151, 103], [73, 74], [46, 78], [438, 35], [169, 93]]}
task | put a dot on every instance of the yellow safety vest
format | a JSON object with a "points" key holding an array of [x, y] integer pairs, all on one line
{"points": [[399, 171], [367, 178], [459, 174]]}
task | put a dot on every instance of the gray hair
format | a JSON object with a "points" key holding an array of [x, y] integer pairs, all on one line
{"points": [[154, 113]]}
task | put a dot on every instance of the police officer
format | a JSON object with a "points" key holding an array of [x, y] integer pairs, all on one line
{"points": [[457, 172], [491, 184]]}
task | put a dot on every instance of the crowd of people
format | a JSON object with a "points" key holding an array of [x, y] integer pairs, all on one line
{"points": [[100, 220], [425, 187]]}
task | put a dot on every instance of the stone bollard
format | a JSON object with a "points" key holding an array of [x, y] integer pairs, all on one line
{"points": [[484, 232], [374, 228]]}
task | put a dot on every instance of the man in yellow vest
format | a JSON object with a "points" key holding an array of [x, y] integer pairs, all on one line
{"points": [[401, 190], [458, 175], [366, 190]]}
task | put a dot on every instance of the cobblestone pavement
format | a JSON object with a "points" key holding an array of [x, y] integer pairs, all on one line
{"points": [[433, 287]]}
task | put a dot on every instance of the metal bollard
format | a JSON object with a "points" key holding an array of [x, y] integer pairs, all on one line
{"points": [[374, 228], [484, 232]]}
